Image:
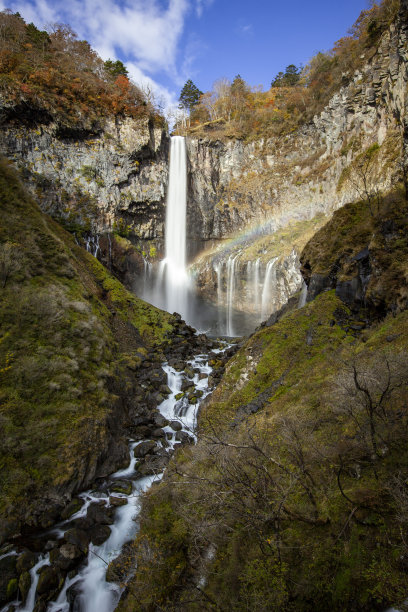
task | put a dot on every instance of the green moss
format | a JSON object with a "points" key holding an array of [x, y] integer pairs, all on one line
{"points": [[68, 330], [12, 588]]}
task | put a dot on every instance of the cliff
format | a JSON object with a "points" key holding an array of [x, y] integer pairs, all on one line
{"points": [[248, 189], [80, 358], [294, 497]]}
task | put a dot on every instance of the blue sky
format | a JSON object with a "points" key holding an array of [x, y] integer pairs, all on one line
{"points": [[165, 42]]}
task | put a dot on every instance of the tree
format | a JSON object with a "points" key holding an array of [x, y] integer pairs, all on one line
{"points": [[360, 176], [289, 78], [115, 69], [189, 96]]}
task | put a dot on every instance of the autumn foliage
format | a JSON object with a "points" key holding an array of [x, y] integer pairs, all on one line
{"points": [[233, 109], [61, 75]]}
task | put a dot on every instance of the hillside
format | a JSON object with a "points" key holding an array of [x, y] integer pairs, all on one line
{"points": [[295, 496], [72, 340]]}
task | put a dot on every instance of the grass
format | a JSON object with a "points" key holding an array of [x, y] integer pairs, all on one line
{"points": [[68, 329]]}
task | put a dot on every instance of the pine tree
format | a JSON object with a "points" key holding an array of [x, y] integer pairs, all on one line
{"points": [[190, 96]]}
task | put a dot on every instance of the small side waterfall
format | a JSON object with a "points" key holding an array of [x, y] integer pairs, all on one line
{"points": [[256, 285], [268, 286]]}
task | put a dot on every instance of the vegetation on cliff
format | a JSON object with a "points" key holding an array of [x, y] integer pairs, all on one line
{"points": [[69, 345], [234, 110], [51, 74], [295, 497]]}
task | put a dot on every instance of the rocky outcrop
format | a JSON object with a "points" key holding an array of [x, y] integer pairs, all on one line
{"points": [[114, 177], [247, 189]]}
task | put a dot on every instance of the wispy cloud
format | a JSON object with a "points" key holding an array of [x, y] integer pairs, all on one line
{"points": [[245, 30], [201, 5]]}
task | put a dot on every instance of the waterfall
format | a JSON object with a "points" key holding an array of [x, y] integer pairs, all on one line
{"points": [[230, 292], [256, 286], [175, 273], [303, 295], [269, 283]]}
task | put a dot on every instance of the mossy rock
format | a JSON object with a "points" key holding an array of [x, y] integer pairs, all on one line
{"points": [[12, 588], [121, 486], [24, 584]]}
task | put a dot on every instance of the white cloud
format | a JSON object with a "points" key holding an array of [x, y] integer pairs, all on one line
{"points": [[201, 5], [143, 33]]}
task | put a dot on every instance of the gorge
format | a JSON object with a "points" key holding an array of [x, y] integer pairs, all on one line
{"points": [[203, 334]]}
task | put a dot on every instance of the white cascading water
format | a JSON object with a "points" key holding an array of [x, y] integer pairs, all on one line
{"points": [[176, 281], [303, 295], [256, 285], [268, 286], [230, 293]]}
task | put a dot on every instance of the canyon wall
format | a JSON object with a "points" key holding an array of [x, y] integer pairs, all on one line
{"points": [[114, 178], [259, 192]]}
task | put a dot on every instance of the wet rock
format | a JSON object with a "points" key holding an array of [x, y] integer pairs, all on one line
{"points": [[74, 593], [202, 375], [121, 486], [184, 437], [189, 372], [26, 561], [67, 556], [50, 544], [165, 390], [179, 396], [154, 464], [187, 385], [73, 506], [141, 432], [142, 449], [176, 425], [8, 574], [160, 420], [48, 581], [9, 528], [78, 537], [24, 584], [158, 433], [99, 513], [117, 501], [99, 534]]}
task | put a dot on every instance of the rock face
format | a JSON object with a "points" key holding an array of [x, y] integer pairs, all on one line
{"points": [[115, 178], [234, 184], [252, 189]]}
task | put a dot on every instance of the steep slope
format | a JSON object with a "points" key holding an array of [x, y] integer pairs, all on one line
{"points": [[73, 346], [295, 496]]}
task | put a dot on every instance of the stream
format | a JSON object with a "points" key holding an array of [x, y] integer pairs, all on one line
{"points": [[87, 590]]}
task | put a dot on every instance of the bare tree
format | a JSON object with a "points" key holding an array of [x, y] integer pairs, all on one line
{"points": [[361, 177]]}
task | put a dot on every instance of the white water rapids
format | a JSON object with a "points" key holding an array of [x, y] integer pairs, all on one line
{"points": [[93, 593]]}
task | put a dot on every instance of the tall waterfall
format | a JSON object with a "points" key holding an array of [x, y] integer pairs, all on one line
{"points": [[230, 293], [174, 265]]}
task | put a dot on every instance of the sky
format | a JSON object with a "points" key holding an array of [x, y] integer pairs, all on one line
{"points": [[165, 42]]}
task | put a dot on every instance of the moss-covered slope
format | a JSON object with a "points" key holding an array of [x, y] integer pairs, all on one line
{"points": [[295, 498], [68, 331]]}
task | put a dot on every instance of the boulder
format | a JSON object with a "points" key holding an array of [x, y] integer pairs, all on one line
{"points": [[176, 425], [78, 537], [26, 561], [48, 581], [144, 448], [99, 534], [24, 584], [67, 556], [73, 506], [117, 501], [8, 578], [184, 437], [121, 486], [100, 514]]}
